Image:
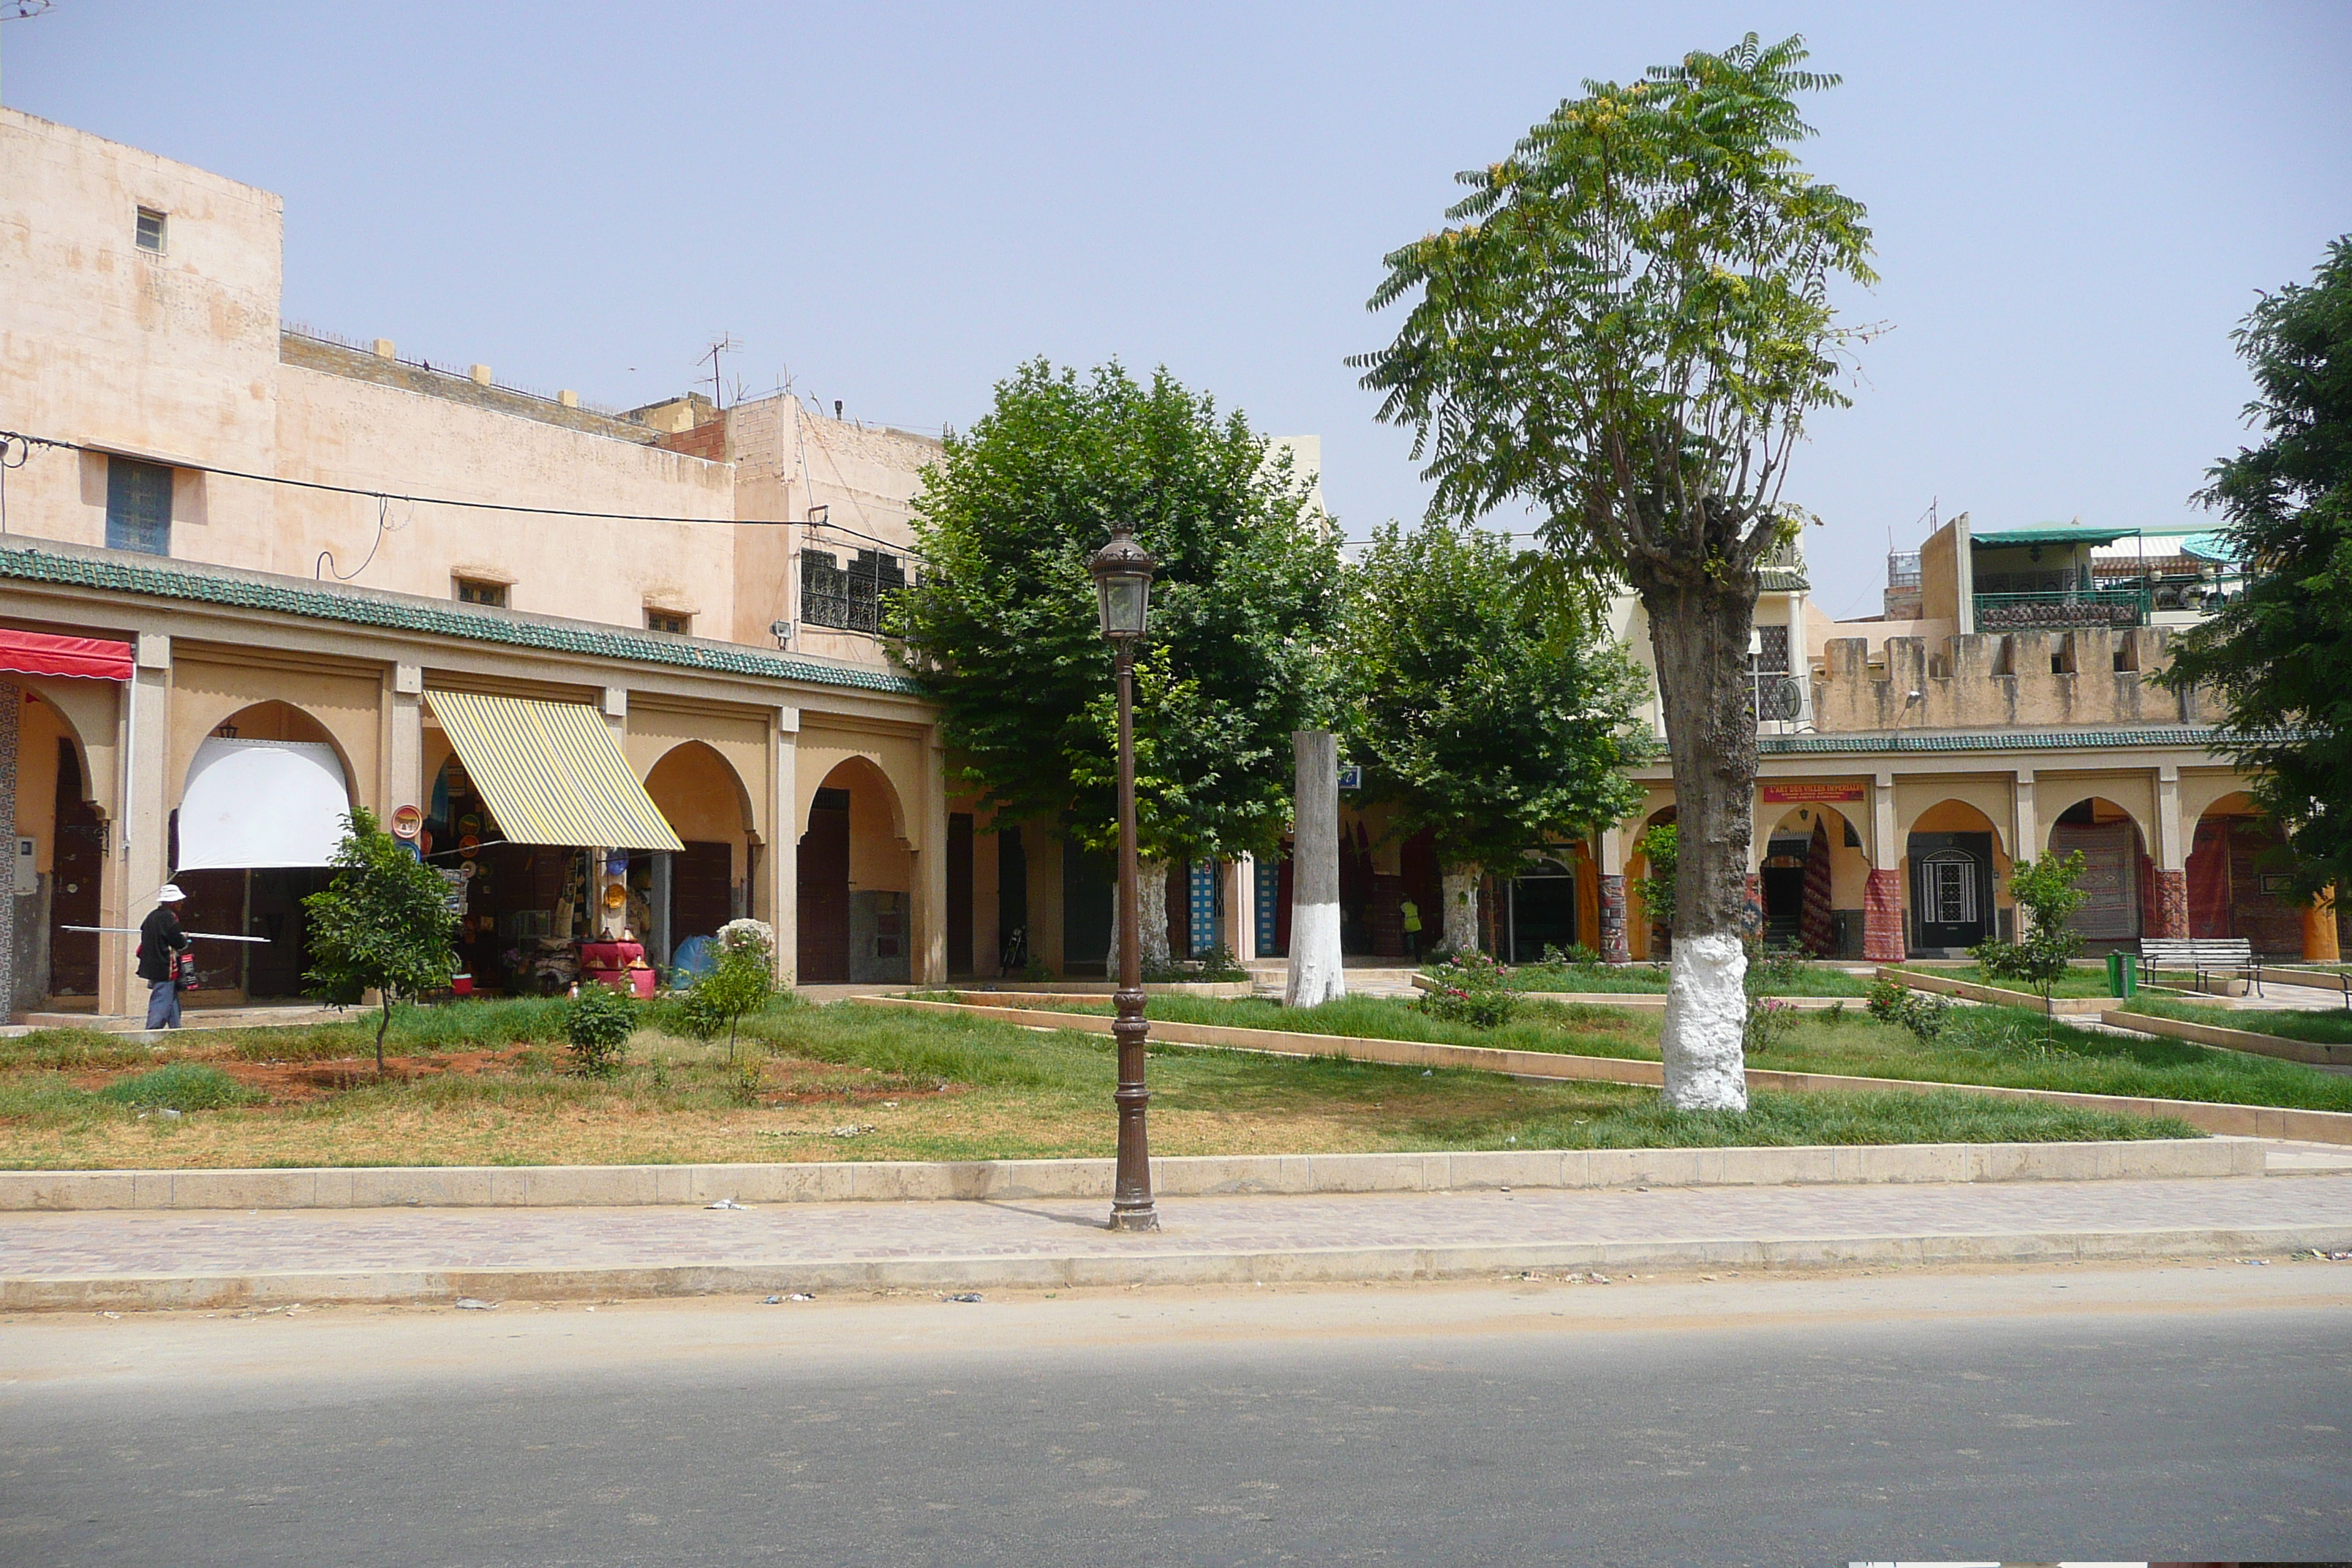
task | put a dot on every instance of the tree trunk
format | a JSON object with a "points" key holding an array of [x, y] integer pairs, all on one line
{"points": [[1316, 974], [382, 1024], [1152, 900], [1461, 892], [1699, 631]]}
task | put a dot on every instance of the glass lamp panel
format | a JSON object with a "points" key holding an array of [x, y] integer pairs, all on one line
{"points": [[1123, 605]]}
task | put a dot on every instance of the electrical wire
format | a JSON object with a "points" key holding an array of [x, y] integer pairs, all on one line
{"points": [[416, 501]]}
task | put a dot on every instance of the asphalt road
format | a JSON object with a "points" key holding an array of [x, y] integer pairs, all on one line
{"points": [[2189, 1412]]}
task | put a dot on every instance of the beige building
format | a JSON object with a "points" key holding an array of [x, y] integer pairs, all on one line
{"points": [[252, 575]]}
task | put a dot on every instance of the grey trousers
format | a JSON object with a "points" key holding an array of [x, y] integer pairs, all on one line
{"points": [[162, 1004]]}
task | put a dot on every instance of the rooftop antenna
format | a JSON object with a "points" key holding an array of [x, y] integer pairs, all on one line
{"points": [[21, 10], [723, 344]]}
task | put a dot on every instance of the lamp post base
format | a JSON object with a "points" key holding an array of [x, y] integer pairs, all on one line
{"points": [[1135, 1219]]}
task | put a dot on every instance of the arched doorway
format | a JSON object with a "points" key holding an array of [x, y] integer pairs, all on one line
{"points": [[260, 815], [2240, 882], [1950, 853], [676, 897], [56, 803], [1815, 877], [855, 894], [1644, 937], [2117, 879]]}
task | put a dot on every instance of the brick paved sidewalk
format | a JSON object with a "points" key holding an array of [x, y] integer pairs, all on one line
{"points": [[874, 1241]]}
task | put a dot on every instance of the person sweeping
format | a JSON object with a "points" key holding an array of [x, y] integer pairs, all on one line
{"points": [[161, 943]]}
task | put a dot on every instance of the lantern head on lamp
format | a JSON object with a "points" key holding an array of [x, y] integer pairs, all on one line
{"points": [[1123, 571]]}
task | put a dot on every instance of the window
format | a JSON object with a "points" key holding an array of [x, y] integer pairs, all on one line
{"points": [[150, 230], [475, 591], [138, 506], [851, 600], [667, 621]]}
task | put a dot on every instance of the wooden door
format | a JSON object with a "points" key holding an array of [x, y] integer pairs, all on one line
{"points": [[823, 891], [959, 892], [77, 860], [701, 890]]}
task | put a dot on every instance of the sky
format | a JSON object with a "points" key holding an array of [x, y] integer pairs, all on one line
{"points": [[894, 206]]}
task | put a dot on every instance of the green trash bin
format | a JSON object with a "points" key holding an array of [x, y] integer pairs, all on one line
{"points": [[2123, 974]]}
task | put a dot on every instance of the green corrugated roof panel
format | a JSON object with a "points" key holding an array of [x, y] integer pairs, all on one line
{"points": [[289, 595], [2051, 534], [2207, 737]]}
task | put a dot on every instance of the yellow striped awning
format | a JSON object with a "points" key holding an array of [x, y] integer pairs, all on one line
{"points": [[551, 772]]}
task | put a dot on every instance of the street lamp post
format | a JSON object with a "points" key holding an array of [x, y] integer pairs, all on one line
{"points": [[1122, 572]]}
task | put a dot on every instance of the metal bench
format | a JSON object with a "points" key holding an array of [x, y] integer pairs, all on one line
{"points": [[2202, 956]]}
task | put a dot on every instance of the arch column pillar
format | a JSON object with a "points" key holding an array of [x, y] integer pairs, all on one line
{"points": [[138, 830], [781, 903], [2025, 832], [1882, 894], [1616, 947], [2171, 857], [930, 966]]}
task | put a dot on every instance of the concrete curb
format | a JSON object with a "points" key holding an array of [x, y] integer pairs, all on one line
{"points": [[2060, 1006], [2317, 1052], [1302, 1265], [2218, 1117], [622, 1186], [1652, 1000]]}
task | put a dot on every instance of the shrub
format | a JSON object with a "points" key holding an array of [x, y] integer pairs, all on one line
{"points": [[598, 1027], [741, 983], [1892, 1002], [2045, 891], [1769, 1022], [1472, 989], [747, 1078], [1782, 965], [182, 1086]]}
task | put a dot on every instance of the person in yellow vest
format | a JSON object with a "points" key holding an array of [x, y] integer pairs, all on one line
{"points": [[1412, 913]]}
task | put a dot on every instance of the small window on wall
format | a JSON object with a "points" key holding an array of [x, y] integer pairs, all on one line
{"points": [[478, 591], [151, 230], [668, 621], [138, 506]]}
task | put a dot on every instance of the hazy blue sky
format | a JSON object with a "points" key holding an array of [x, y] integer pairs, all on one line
{"points": [[894, 204]]}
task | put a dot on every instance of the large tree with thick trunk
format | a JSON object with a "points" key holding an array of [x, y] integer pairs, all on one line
{"points": [[1000, 627], [1621, 329], [2279, 657], [1492, 711]]}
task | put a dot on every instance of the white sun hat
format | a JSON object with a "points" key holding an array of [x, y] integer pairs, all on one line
{"points": [[169, 893]]}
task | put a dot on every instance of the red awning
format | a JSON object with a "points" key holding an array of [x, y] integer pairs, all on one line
{"points": [[38, 653]]}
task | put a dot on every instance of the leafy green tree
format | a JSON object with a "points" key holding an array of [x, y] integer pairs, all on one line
{"points": [[738, 985], [2280, 656], [2045, 891], [1001, 632], [598, 1024], [1623, 330], [382, 924], [1489, 710]]}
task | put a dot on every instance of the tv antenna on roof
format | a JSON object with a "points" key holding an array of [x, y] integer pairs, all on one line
{"points": [[723, 344]]}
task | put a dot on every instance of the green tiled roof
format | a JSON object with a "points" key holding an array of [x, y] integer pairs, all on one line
{"points": [[112, 571], [2206, 736], [1780, 580]]}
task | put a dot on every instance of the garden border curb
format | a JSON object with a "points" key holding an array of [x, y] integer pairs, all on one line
{"points": [[2253, 1042], [618, 1186]]}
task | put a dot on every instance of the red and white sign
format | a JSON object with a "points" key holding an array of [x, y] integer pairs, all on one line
{"points": [[1808, 793], [407, 821]]}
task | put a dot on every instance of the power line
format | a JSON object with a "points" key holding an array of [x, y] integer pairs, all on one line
{"points": [[415, 501]]}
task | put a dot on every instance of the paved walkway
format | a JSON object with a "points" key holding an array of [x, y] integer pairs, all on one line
{"points": [[121, 1245]]}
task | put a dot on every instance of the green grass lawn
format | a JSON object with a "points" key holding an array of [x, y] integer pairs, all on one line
{"points": [[483, 1083], [2010, 1047], [2333, 1027], [1814, 980]]}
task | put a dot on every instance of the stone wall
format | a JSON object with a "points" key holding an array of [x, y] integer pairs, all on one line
{"points": [[2026, 680]]}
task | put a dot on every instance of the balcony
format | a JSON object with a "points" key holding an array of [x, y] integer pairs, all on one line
{"points": [[2063, 608]]}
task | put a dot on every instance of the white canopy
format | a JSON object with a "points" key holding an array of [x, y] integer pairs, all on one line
{"points": [[261, 804]]}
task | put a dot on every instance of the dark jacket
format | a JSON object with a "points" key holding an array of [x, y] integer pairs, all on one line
{"points": [[160, 937]]}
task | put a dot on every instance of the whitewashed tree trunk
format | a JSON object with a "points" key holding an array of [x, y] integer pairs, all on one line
{"points": [[1151, 897], [1706, 1024], [1316, 974], [1461, 892]]}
